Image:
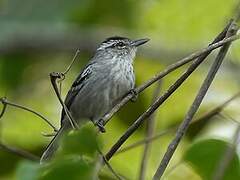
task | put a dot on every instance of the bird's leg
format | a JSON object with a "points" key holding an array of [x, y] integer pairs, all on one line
{"points": [[134, 95], [100, 124]]}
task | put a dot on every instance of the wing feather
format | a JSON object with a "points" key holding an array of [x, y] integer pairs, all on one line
{"points": [[77, 85]]}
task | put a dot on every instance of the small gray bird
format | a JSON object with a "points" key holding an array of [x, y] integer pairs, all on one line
{"points": [[104, 81]]}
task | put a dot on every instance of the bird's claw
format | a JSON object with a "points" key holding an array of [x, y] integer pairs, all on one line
{"points": [[100, 125], [134, 95]]}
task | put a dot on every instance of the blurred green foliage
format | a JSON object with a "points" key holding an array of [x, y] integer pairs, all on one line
{"points": [[82, 142], [206, 156], [77, 159], [39, 37]]}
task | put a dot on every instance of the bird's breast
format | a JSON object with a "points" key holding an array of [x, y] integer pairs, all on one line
{"points": [[123, 80]]}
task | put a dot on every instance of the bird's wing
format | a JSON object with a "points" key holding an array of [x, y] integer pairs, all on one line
{"points": [[77, 86]]}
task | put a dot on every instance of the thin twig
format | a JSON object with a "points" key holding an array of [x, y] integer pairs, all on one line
{"points": [[109, 166], [208, 115], [157, 103], [53, 77], [67, 70], [149, 133], [73, 60], [226, 116], [173, 168], [19, 152], [194, 107], [4, 107], [60, 76], [5, 102], [218, 42], [227, 156]]}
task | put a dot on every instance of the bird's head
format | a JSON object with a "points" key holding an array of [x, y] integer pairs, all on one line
{"points": [[121, 47]]}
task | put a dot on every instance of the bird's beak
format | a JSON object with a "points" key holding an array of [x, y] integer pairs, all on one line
{"points": [[139, 42]]}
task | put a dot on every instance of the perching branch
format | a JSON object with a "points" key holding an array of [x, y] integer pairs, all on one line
{"points": [[196, 104], [160, 100], [5, 102], [218, 42], [149, 133], [208, 115], [19, 152]]}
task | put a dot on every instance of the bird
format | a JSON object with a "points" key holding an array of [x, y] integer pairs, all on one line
{"points": [[103, 82]]}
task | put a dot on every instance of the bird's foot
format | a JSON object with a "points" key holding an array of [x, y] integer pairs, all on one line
{"points": [[134, 95], [100, 125]]}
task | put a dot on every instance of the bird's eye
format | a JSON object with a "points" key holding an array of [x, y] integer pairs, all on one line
{"points": [[121, 44]]}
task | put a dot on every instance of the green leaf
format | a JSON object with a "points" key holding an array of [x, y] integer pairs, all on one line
{"points": [[76, 158], [10, 162], [206, 155], [81, 142], [69, 168], [28, 171]]}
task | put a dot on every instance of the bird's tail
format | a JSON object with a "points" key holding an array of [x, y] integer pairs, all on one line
{"points": [[52, 146]]}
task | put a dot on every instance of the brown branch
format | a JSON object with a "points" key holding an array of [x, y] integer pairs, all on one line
{"points": [[196, 104], [159, 101], [5, 102], [149, 133], [218, 42], [19, 152], [208, 115]]}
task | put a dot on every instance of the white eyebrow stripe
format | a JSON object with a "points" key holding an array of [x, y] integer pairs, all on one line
{"points": [[109, 44]]}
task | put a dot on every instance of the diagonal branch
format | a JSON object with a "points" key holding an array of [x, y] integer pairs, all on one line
{"points": [[218, 42], [159, 101], [4, 107], [208, 115], [19, 152], [5, 102], [196, 104], [149, 133]]}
